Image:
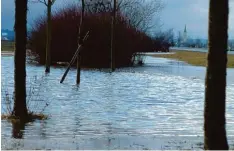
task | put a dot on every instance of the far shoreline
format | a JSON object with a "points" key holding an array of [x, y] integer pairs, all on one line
{"points": [[192, 57], [7, 53]]}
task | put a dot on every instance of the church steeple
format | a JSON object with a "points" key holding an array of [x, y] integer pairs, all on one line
{"points": [[185, 29], [185, 35]]}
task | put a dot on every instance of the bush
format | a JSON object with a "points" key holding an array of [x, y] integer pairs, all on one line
{"points": [[96, 52]]}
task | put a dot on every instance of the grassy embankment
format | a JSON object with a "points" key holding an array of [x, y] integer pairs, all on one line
{"points": [[193, 58], [7, 46]]}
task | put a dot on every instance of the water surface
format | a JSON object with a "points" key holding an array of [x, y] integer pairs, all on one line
{"points": [[157, 106]]}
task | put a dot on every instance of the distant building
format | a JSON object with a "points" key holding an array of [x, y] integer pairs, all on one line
{"points": [[7, 35], [4, 36], [184, 37], [182, 40], [231, 45], [179, 40]]}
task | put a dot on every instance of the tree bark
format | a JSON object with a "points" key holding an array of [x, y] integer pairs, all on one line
{"points": [[80, 41], [113, 37], [48, 41], [20, 107], [215, 91]]}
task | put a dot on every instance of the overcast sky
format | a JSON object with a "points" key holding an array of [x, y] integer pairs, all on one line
{"points": [[177, 13]]}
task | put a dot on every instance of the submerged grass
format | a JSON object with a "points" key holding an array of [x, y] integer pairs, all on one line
{"points": [[7, 46], [193, 58], [31, 117], [35, 104]]}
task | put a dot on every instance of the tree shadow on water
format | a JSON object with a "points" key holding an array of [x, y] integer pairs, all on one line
{"points": [[18, 130]]}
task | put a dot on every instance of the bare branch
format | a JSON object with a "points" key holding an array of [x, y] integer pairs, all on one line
{"points": [[142, 14], [45, 2], [53, 1]]}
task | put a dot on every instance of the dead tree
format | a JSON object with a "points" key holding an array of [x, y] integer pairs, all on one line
{"points": [[113, 37]]}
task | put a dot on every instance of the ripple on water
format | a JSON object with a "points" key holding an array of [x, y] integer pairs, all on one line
{"points": [[157, 100]]}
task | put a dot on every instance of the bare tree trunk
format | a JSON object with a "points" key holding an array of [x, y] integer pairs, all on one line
{"points": [[48, 43], [113, 37], [20, 108], [215, 92], [80, 43]]}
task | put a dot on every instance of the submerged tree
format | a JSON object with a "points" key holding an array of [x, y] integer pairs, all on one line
{"points": [[113, 37], [48, 4], [20, 108], [18, 130], [80, 41], [215, 91]]}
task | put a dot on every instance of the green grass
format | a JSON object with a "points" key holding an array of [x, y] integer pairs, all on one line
{"points": [[7, 46], [193, 58]]}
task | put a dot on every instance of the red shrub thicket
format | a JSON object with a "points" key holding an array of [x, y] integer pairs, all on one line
{"points": [[96, 52]]}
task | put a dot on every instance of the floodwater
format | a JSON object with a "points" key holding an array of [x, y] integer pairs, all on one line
{"points": [[156, 106]]}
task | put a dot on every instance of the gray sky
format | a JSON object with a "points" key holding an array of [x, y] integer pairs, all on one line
{"points": [[193, 13], [177, 13]]}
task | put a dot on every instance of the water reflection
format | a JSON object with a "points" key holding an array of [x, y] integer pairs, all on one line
{"points": [[18, 129], [110, 138], [43, 129]]}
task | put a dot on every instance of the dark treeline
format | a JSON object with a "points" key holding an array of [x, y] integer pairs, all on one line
{"points": [[96, 53]]}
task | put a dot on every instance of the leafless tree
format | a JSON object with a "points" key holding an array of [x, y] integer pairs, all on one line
{"points": [[80, 42], [48, 4], [98, 6], [113, 37], [20, 105], [215, 137], [142, 14]]}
